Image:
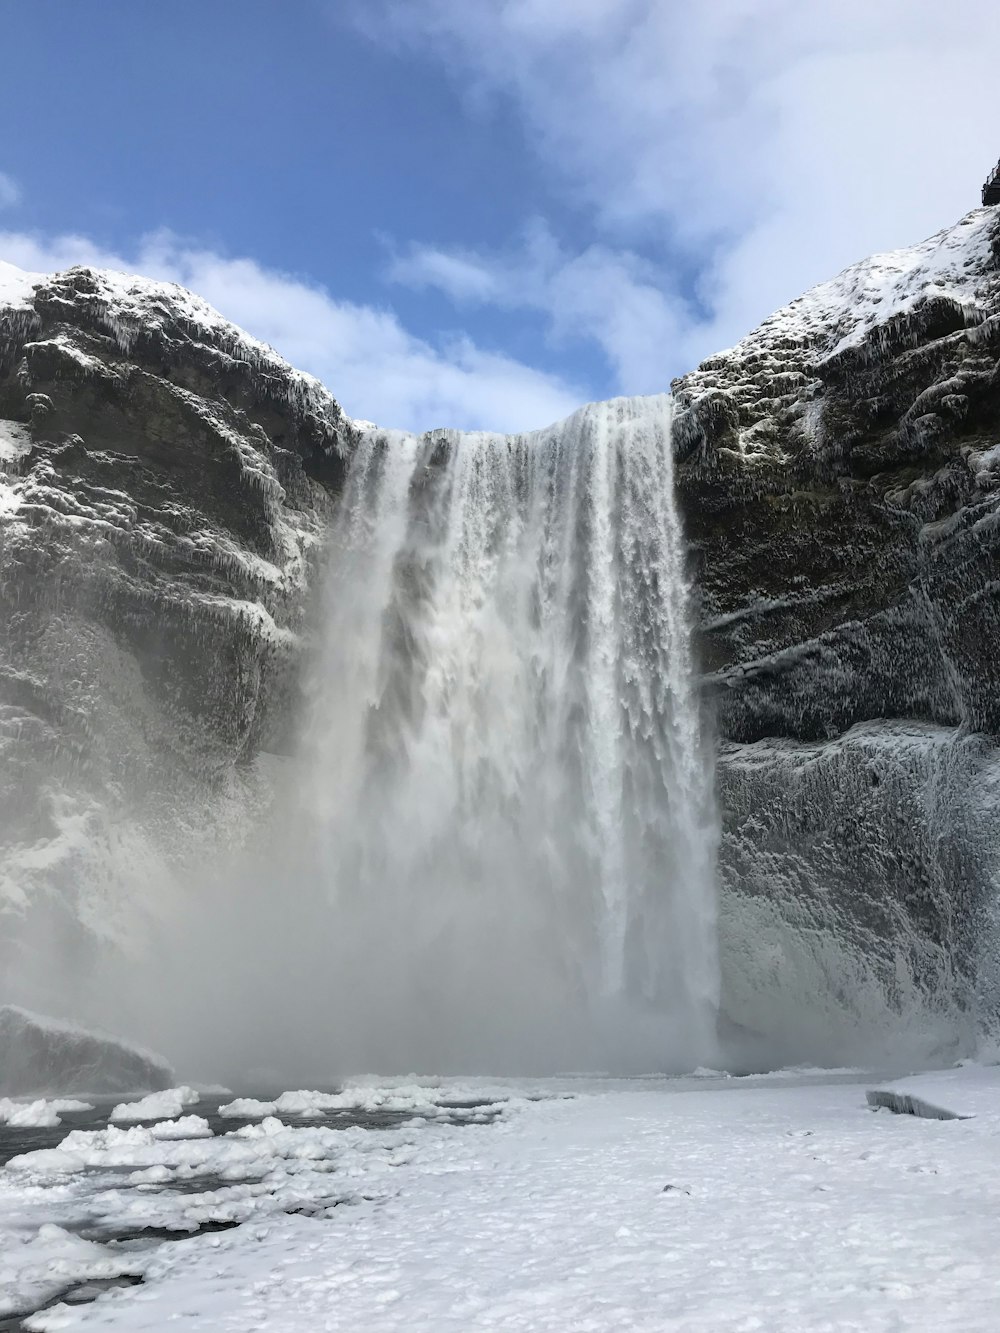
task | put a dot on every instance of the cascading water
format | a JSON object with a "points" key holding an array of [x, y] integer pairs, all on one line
{"points": [[510, 811]]}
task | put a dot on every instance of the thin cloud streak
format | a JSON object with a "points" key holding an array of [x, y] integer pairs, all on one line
{"points": [[10, 191]]}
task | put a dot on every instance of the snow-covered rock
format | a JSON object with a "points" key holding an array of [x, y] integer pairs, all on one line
{"points": [[44, 1055]]}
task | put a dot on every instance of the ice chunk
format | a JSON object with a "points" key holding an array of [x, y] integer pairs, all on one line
{"points": [[44, 1055], [187, 1127], [38, 1114], [165, 1105]]}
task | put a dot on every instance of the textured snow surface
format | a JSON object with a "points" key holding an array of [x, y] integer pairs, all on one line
{"points": [[708, 1205]]}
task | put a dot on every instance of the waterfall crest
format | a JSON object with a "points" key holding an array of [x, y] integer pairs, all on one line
{"points": [[510, 805]]}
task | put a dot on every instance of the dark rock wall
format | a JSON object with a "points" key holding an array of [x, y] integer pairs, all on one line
{"points": [[840, 480]]}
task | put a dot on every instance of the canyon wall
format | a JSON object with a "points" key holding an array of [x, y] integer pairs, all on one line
{"points": [[165, 486]]}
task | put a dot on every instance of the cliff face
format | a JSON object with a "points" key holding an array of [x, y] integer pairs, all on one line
{"points": [[840, 477], [164, 485], [165, 482]]}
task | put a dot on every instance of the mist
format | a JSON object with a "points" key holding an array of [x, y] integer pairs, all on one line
{"points": [[492, 849]]}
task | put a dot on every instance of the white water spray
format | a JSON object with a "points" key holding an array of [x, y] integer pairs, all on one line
{"points": [[510, 803]]}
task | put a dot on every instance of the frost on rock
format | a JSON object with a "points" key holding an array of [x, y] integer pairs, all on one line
{"points": [[839, 477], [166, 484], [43, 1055]]}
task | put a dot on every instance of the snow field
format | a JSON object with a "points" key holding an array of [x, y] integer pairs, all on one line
{"points": [[659, 1207]]}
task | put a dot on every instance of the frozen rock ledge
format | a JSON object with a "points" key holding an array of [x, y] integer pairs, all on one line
{"points": [[45, 1055]]}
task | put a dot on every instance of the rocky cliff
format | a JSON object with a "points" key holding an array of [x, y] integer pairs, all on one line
{"points": [[840, 477], [164, 484]]}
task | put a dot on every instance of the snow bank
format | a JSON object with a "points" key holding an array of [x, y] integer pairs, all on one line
{"points": [[165, 1105], [962, 1093], [36, 1268], [44, 1055]]}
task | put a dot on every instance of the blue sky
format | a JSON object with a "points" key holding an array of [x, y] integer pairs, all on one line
{"points": [[482, 212]]}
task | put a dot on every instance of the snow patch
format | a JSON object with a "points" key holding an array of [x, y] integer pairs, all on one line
{"points": [[17, 286]]}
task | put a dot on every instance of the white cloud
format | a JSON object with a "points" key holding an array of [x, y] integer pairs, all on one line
{"points": [[765, 144], [611, 297], [374, 366], [10, 191]]}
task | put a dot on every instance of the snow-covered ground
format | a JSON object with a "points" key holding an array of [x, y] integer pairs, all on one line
{"points": [[752, 1204]]}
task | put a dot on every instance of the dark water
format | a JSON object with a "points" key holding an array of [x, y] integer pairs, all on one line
{"points": [[14, 1140]]}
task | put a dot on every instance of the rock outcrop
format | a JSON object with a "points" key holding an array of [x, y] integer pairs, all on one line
{"points": [[840, 477], [39, 1055]]}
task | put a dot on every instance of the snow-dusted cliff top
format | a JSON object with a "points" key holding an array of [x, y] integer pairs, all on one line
{"points": [[129, 306], [741, 400], [955, 265]]}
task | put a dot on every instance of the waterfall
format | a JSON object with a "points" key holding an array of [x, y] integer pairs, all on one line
{"points": [[510, 809]]}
